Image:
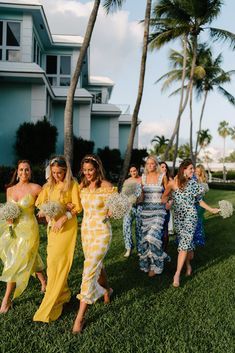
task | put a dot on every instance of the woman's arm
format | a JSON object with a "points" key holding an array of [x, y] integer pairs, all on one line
{"points": [[167, 191], [203, 204]]}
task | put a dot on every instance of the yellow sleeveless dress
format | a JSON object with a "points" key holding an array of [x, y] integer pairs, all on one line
{"points": [[19, 253], [60, 251], [96, 238]]}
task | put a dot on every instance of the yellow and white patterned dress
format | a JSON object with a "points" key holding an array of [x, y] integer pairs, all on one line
{"points": [[60, 251], [19, 252], [96, 238]]}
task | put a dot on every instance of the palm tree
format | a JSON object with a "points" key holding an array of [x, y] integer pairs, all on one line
{"points": [[109, 5], [134, 121], [204, 140], [215, 77], [174, 19], [224, 131], [161, 143]]}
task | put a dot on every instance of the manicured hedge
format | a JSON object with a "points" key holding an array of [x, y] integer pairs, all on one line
{"points": [[222, 186], [229, 176]]}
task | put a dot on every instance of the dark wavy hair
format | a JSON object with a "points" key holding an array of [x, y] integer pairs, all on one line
{"points": [[181, 179], [14, 180], [95, 161], [168, 174]]}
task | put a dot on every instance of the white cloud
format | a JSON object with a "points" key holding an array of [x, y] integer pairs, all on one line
{"points": [[114, 40], [148, 130]]}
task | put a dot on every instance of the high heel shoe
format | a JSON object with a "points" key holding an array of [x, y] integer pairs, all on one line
{"points": [[6, 307], [176, 281], [107, 295], [127, 253], [78, 326]]}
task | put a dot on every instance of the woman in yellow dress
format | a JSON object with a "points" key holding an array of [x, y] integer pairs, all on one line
{"points": [[19, 251], [62, 235], [96, 236]]}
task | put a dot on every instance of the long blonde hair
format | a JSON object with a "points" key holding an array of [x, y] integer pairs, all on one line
{"points": [[203, 176], [62, 162]]}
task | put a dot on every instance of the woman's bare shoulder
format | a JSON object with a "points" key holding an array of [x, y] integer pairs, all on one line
{"points": [[106, 184]]}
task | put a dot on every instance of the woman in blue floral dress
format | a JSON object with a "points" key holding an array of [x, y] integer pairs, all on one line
{"points": [[199, 236], [186, 192], [153, 213]]}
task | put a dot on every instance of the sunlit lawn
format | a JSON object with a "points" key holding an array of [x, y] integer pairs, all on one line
{"points": [[146, 315]]}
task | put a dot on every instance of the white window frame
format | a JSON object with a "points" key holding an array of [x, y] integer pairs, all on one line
{"points": [[37, 51], [58, 75], [4, 47]]}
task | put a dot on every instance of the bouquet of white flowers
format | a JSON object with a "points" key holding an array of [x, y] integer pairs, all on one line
{"points": [[226, 208], [132, 190], [9, 211], [51, 209], [118, 205]]}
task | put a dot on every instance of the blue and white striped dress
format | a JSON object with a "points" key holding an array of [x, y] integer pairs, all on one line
{"points": [[153, 213]]}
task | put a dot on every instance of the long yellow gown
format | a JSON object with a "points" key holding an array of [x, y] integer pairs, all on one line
{"points": [[60, 251], [96, 238], [19, 252]]}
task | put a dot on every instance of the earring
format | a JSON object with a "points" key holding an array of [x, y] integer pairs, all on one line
{"points": [[17, 178], [185, 175]]}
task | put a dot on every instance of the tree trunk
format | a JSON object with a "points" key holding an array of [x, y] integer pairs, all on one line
{"points": [[200, 125], [134, 121], [182, 105], [68, 113], [191, 122], [224, 174], [176, 150]]}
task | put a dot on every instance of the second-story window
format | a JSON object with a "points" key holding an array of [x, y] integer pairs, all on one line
{"points": [[97, 97], [36, 52], [9, 40], [58, 69]]}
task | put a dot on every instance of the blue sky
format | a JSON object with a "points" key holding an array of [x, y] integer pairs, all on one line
{"points": [[116, 53]]}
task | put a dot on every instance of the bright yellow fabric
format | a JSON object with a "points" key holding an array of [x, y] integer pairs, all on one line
{"points": [[60, 251], [19, 253], [96, 237]]}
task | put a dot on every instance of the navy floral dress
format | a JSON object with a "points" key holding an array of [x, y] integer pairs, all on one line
{"points": [[199, 236], [186, 215], [153, 213]]}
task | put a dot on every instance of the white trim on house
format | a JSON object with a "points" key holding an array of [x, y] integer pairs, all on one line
{"points": [[103, 109]]}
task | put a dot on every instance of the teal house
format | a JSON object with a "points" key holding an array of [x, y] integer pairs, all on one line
{"points": [[35, 71]]}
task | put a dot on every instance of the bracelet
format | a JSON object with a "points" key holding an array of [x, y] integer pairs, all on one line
{"points": [[68, 215]]}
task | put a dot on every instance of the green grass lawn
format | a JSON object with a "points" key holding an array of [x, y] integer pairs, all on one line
{"points": [[147, 315]]}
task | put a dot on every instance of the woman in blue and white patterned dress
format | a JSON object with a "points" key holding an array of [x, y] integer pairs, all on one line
{"points": [[152, 256], [199, 236], [186, 192]]}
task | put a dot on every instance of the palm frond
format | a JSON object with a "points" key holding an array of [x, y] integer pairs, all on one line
{"points": [[112, 5], [223, 35], [227, 95]]}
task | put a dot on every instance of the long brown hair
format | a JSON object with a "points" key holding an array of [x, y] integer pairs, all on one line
{"points": [[95, 161], [60, 161], [14, 179], [182, 180]]}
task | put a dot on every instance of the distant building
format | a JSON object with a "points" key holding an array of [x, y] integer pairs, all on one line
{"points": [[35, 72]]}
